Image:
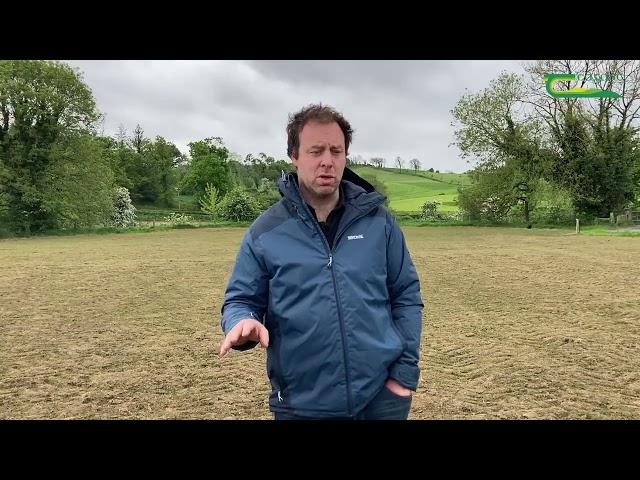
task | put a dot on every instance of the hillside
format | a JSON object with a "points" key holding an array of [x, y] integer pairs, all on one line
{"points": [[408, 191]]}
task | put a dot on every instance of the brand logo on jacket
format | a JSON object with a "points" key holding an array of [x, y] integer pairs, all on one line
{"points": [[354, 237]]}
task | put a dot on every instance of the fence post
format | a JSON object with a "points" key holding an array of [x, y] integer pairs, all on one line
{"points": [[577, 225], [612, 218]]}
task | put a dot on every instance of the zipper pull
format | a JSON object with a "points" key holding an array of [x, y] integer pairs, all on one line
{"points": [[330, 261], [280, 397]]}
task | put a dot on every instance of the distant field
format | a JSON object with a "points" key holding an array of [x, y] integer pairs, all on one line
{"points": [[453, 178], [407, 192], [518, 324]]}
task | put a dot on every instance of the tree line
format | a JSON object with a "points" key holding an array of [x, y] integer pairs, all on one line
{"points": [[381, 162]]}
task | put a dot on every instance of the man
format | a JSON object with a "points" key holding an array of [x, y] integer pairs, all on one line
{"points": [[324, 281]]}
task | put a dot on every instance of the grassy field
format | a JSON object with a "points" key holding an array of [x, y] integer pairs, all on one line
{"points": [[452, 178], [606, 230], [408, 192], [518, 324]]}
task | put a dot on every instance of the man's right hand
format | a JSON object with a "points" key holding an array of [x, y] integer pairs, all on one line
{"points": [[247, 329]]}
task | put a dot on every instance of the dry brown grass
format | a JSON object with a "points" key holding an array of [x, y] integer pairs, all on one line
{"points": [[517, 324]]}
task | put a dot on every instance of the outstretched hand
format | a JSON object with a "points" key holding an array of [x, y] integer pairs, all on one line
{"points": [[247, 330]]}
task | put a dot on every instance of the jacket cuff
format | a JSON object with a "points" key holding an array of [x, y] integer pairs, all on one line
{"points": [[405, 375]]}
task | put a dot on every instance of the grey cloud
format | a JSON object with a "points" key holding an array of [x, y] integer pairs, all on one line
{"points": [[396, 107]]}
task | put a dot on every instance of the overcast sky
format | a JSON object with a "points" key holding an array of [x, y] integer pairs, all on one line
{"points": [[395, 107]]}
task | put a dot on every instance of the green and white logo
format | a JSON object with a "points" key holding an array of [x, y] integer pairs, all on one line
{"points": [[579, 92]]}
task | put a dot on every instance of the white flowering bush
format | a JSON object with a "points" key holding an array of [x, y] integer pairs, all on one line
{"points": [[124, 213], [178, 219]]}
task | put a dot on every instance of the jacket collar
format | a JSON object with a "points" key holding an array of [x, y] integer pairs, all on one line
{"points": [[358, 193]]}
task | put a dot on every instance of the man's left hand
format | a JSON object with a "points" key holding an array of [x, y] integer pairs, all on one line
{"points": [[396, 388]]}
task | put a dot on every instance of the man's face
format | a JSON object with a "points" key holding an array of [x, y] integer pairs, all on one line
{"points": [[321, 158]]}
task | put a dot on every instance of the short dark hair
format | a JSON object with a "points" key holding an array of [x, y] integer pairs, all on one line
{"points": [[318, 113]]}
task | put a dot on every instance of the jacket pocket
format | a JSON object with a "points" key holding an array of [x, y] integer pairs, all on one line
{"points": [[274, 368]]}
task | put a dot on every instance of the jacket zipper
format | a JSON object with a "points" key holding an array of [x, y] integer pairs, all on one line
{"points": [[340, 320], [335, 287], [338, 301]]}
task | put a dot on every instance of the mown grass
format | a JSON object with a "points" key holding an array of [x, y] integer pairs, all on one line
{"points": [[518, 324]]}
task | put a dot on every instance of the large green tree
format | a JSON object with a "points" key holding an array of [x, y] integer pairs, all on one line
{"points": [[505, 142], [39, 102], [595, 140], [148, 168], [208, 165], [77, 187]]}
